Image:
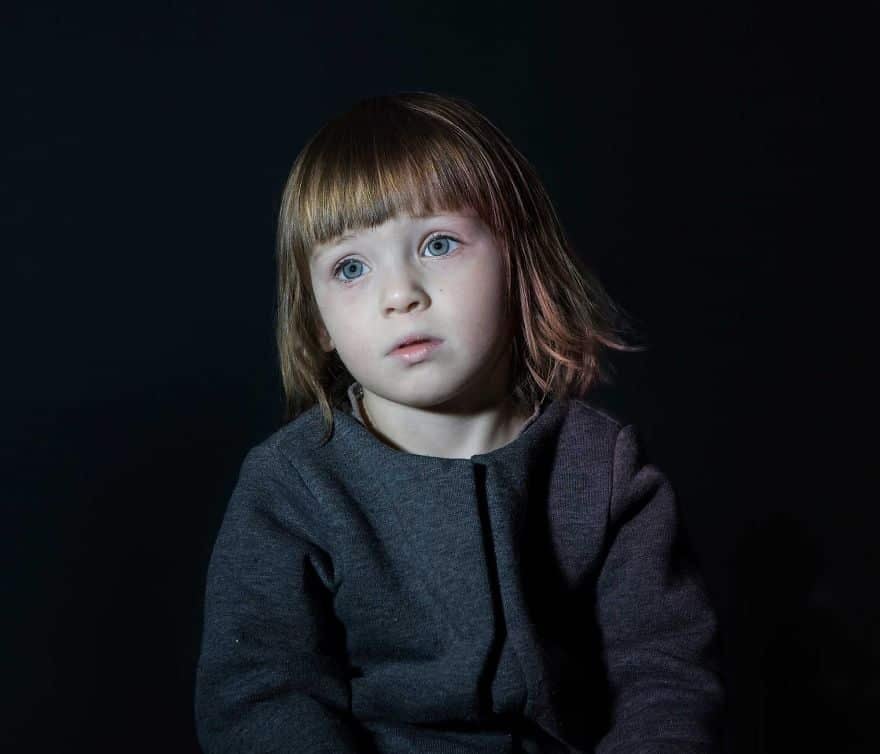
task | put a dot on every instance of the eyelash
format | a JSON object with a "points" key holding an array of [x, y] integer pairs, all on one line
{"points": [[341, 263]]}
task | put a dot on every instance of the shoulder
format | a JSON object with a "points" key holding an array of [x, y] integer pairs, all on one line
{"points": [[274, 480], [625, 434], [297, 451], [282, 444], [587, 435], [608, 403], [273, 460], [599, 431], [598, 415]]}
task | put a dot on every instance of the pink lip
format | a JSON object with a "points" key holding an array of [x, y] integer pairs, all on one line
{"points": [[416, 351]]}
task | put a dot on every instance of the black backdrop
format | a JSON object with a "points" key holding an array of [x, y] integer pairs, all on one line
{"points": [[146, 151]]}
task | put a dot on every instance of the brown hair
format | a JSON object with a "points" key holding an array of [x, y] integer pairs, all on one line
{"points": [[418, 152]]}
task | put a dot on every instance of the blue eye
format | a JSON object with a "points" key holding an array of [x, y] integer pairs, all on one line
{"points": [[438, 240], [342, 265], [435, 243]]}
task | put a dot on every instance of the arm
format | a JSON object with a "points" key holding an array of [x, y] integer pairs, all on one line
{"points": [[271, 675], [659, 632]]}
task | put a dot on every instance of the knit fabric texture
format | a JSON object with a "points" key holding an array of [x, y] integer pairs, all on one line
{"points": [[542, 597]]}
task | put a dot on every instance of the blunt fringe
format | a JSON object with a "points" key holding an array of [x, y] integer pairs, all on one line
{"points": [[424, 152]]}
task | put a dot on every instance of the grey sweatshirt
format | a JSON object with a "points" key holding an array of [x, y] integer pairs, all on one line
{"points": [[541, 597]]}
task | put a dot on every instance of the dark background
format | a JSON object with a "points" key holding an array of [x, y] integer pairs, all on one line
{"points": [[688, 151]]}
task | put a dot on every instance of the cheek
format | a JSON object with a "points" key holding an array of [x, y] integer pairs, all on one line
{"points": [[334, 305], [476, 300], [346, 324]]}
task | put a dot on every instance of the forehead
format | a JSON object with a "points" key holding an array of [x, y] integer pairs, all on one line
{"points": [[403, 219]]}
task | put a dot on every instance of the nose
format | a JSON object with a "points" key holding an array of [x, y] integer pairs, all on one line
{"points": [[403, 292]]}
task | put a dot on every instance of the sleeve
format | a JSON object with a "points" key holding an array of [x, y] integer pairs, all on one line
{"points": [[659, 632], [270, 675]]}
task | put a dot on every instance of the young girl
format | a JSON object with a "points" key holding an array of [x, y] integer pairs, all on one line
{"points": [[447, 547]]}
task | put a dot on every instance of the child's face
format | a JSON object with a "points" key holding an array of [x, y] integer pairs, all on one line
{"points": [[441, 275]]}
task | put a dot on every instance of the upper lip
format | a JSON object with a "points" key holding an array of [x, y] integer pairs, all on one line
{"points": [[410, 338]]}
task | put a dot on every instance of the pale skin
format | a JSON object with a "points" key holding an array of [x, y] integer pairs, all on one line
{"points": [[440, 274]]}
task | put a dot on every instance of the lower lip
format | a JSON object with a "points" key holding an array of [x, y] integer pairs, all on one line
{"points": [[416, 351]]}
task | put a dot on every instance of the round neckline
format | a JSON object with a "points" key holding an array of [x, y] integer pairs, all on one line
{"points": [[513, 445]]}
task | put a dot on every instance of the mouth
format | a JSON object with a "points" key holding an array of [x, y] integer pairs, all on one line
{"points": [[415, 342], [416, 349], [415, 339]]}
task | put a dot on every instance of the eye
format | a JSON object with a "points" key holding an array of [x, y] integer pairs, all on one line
{"points": [[345, 263], [436, 243]]}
